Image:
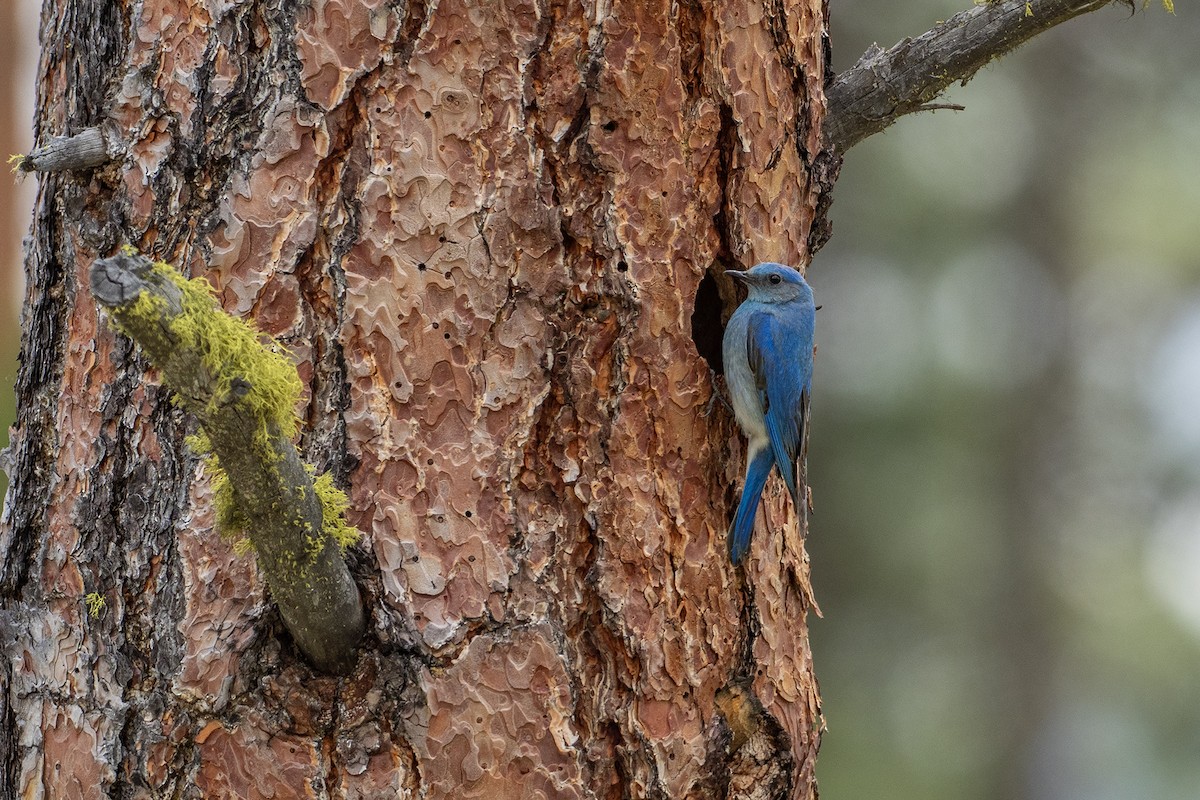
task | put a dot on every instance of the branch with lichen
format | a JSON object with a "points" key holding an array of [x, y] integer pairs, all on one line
{"points": [[887, 84], [244, 391]]}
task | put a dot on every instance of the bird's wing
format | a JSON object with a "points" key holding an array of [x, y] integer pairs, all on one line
{"points": [[780, 354]]}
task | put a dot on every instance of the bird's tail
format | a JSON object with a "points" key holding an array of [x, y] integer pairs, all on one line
{"points": [[743, 522]]}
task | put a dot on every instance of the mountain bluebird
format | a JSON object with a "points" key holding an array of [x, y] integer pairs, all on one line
{"points": [[768, 351]]}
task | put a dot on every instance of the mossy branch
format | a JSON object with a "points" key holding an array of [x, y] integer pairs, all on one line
{"points": [[887, 84], [244, 394]]}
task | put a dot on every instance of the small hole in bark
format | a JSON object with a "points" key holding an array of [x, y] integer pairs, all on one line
{"points": [[707, 330], [445, 336], [415, 559], [610, 126], [429, 461], [421, 266], [435, 326], [622, 266], [441, 518], [469, 515], [446, 273], [471, 559], [442, 239], [399, 384], [458, 41], [670, 756], [428, 114]]}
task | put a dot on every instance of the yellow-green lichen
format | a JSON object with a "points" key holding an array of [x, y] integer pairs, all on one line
{"points": [[198, 443], [334, 504], [95, 604], [145, 314], [19, 163], [232, 349], [231, 521]]}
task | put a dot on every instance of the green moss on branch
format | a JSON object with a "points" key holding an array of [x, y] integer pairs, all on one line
{"points": [[244, 391]]}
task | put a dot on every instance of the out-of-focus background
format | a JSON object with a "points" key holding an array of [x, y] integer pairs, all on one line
{"points": [[1005, 446], [1005, 451]]}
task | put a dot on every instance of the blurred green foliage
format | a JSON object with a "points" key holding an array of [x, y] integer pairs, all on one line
{"points": [[1005, 453]]}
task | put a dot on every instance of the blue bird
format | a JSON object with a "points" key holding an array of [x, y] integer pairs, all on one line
{"points": [[768, 352]]}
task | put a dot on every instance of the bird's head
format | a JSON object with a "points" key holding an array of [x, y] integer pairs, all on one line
{"points": [[773, 283]]}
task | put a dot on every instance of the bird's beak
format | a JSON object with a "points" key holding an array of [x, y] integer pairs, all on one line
{"points": [[738, 276]]}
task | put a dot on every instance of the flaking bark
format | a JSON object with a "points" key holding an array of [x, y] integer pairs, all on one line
{"points": [[491, 234]]}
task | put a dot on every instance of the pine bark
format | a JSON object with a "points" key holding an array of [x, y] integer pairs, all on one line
{"points": [[493, 236]]}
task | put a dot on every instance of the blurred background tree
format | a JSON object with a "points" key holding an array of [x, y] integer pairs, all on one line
{"points": [[1005, 444], [1005, 448]]}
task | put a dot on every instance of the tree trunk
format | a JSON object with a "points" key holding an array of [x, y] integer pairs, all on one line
{"points": [[493, 237]]}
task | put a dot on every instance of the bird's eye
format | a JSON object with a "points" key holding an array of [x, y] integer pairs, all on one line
{"points": [[775, 279]]}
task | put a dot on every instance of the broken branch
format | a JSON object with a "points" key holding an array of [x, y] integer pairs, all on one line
{"points": [[887, 84], [244, 394]]}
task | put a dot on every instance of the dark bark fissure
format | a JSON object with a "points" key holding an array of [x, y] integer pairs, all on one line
{"points": [[582, 619], [599, 648], [716, 295], [413, 15], [749, 753], [121, 508], [592, 643], [200, 168], [36, 393], [712, 303], [322, 283], [728, 173], [689, 26], [777, 22], [100, 24], [9, 760]]}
